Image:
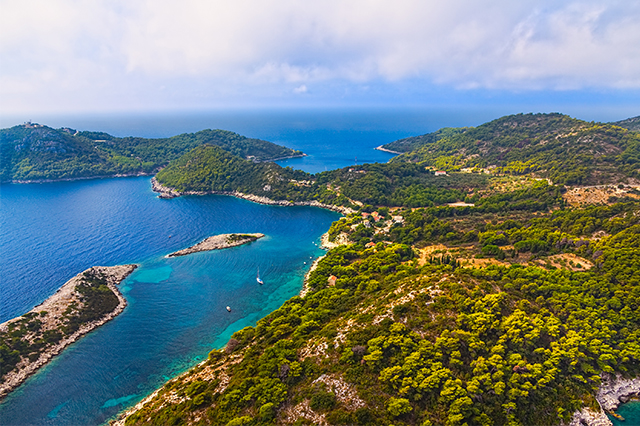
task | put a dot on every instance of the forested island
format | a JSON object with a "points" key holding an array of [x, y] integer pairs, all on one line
{"points": [[497, 293], [34, 152], [85, 302]]}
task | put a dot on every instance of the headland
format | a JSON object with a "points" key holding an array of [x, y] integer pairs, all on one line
{"points": [[380, 148], [83, 303]]}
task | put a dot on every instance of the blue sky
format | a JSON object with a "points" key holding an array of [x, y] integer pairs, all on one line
{"points": [[67, 56]]}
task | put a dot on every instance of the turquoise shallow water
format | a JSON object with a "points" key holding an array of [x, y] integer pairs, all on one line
{"points": [[176, 312], [631, 413]]}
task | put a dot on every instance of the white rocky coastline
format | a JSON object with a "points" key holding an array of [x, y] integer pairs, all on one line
{"points": [[612, 392], [54, 306], [305, 283], [218, 242], [118, 175], [165, 192], [380, 148]]}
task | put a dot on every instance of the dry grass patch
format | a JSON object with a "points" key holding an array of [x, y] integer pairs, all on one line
{"points": [[480, 263], [597, 194], [570, 261]]}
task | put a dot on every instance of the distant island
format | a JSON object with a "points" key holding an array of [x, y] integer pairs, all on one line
{"points": [[82, 304], [218, 242], [34, 152]]}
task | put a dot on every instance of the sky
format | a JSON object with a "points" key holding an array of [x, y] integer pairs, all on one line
{"points": [[97, 56]]}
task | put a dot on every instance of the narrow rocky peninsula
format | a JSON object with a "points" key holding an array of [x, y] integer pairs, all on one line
{"points": [[218, 242], [82, 304]]}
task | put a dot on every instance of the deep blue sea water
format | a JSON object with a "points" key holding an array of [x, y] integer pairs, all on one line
{"points": [[176, 313]]}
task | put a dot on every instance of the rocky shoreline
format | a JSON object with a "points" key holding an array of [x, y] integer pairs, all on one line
{"points": [[119, 175], [305, 283], [271, 160], [53, 308], [218, 242], [165, 192], [612, 392], [380, 148]]}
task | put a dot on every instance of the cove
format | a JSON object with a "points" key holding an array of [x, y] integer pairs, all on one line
{"points": [[176, 312]]}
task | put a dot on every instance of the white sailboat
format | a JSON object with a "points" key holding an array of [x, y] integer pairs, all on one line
{"points": [[258, 277]]}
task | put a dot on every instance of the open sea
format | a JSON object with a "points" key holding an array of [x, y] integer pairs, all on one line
{"points": [[176, 314]]}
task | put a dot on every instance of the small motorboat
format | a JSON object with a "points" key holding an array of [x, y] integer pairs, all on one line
{"points": [[228, 308], [258, 279]]}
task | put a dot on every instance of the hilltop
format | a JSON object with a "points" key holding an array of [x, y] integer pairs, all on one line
{"points": [[31, 152], [555, 146], [630, 123]]}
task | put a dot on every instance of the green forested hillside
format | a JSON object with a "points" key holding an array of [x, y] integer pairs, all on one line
{"points": [[33, 152], [555, 146], [415, 142], [209, 168], [630, 123], [405, 339]]}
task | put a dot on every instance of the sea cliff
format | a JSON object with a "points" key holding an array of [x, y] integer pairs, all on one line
{"points": [[63, 318]]}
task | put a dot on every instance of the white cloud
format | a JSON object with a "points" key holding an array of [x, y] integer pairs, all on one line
{"points": [[69, 51], [301, 89]]}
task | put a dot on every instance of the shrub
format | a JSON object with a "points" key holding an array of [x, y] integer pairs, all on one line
{"points": [[398, 406], [323, 401]]}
